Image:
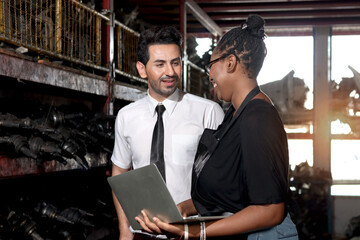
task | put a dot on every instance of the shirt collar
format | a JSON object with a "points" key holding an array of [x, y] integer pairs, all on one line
{"points": [[169, 103]]}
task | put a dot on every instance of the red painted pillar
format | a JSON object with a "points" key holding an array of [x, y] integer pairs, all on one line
{"points": [[108, 54], [182, 7], [106, 36]]}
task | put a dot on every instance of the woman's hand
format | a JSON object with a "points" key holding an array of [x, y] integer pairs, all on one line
{"points": [[159, 227]]}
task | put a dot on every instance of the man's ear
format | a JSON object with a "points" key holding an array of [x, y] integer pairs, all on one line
{"points": [[141, 69], [231, 63]]}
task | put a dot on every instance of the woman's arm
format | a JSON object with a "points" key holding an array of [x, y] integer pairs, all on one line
{"points": [[249, 219], [187, 208]]}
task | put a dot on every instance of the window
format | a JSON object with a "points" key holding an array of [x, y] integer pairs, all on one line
{"points": [[345, 151], [287, 54], [300, 150]]}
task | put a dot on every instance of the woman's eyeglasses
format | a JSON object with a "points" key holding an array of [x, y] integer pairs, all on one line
{"points": [[208, 66]]}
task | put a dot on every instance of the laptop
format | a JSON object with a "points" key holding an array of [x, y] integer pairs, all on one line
{"points": [[145, 189]]}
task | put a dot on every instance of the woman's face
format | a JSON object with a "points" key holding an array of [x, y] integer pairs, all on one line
{"points": [[219, 78]]}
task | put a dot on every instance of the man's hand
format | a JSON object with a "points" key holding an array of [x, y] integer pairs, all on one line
{"points": [[187, 208]]}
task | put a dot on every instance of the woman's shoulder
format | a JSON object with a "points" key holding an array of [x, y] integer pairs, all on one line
{"points": [[259, 108], [259, 112]]}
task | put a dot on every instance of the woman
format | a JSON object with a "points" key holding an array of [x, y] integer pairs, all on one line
{"points": [[241, 169]]}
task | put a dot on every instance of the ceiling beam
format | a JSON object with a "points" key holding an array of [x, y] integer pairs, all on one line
{"points": [[251, 1], [283, 6], [203, 18], [288, 15], [308, 22]]}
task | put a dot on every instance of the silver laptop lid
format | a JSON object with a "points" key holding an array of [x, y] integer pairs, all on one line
{"points": [[144, 189]]}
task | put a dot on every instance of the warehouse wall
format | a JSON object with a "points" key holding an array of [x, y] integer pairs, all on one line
{"points": [[344, 208]]}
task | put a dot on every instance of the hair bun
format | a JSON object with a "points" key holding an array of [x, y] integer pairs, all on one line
{"points": [[255, 24]]}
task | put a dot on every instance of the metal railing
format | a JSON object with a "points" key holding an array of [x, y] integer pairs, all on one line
{"points": [[126, 41], [65, 29], [72, 31], [198, 82]]}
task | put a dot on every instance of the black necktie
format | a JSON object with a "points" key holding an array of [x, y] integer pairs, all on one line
{"points": [[157, 145]]}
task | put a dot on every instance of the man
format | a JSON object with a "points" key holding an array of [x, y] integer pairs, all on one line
{"points": [[183, 119]]}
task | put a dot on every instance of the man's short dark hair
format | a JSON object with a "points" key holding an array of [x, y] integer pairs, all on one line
{"points": [[157, 35]]}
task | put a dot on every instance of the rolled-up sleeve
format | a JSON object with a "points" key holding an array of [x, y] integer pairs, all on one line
{"points": [[265, 157], [214, 117]]}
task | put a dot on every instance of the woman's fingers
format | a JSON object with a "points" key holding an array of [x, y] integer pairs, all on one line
{"points": [[143, 225], [159, 227], [175, 229], [149, 225]]}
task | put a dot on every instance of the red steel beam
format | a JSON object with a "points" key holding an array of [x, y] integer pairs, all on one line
{"points": [[253, 1], [289, 15], [281, 6]]}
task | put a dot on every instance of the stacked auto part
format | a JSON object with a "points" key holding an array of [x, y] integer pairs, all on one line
{"points": [[67, 205], [59, 134], [310, 201]]}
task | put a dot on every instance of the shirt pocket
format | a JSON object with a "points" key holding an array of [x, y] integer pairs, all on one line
{"points": [[184, 148]]}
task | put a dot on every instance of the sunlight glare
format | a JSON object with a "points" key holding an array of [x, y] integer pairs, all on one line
{"points": [[204, 45], [297, 129], [353, 93], [345, 190], [338, 127], [300, 150], [345, 159]]}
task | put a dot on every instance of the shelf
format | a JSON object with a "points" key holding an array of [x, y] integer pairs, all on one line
{"points": [[22, 67], [15, 167], [128, 92], [25, 68]]}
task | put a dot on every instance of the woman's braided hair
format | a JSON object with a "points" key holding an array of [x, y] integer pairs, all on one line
{"points": [[246, 43]]}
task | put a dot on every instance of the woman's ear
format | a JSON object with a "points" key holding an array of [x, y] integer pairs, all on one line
{"points": [[141, 69], [231, 63]]}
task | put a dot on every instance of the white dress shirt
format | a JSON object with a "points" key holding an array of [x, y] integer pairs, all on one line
{"points": [[185, 118]]}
